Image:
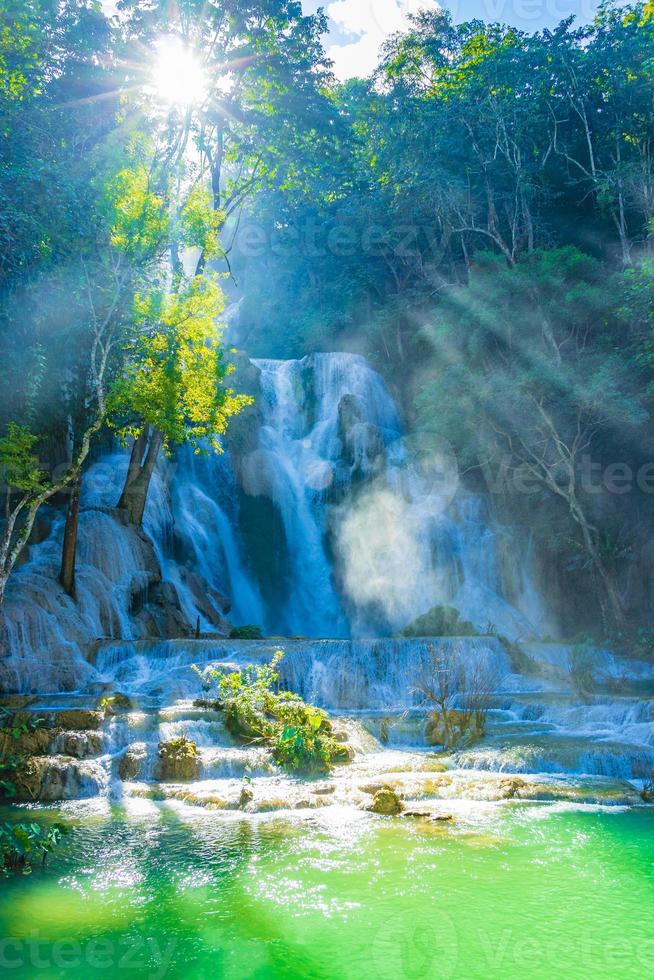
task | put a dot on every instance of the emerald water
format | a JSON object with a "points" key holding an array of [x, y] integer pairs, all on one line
{"points": [[513, 890]]}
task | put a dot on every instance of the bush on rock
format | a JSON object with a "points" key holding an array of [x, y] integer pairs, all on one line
{"points": [[300, 735]]}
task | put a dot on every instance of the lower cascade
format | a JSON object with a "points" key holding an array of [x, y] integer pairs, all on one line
{"points": [[142, 695]]}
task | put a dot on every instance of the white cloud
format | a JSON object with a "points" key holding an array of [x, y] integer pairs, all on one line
{"points": [[368, 23]]}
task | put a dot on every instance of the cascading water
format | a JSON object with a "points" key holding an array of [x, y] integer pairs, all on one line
{"points": [[368, 540], [362, 540], [318, 524]]}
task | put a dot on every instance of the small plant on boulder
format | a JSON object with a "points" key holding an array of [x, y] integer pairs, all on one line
{"points": [[300, 735], [114, 703]]}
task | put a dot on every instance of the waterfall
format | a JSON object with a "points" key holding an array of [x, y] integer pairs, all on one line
{"points": [[321, 526], [371, 539]]}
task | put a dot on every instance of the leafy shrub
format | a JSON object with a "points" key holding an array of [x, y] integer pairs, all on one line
{"points": [[299, 734], [23, 844], [114, 703], [246, 633], [14, 729], [439, 621], [582, 672]]}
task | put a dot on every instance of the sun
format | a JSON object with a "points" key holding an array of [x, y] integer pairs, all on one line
{"points": [[178, 77]]}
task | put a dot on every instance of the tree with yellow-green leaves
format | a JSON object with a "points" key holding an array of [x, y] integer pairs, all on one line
{"points": [[172, 389], [149, 361]]}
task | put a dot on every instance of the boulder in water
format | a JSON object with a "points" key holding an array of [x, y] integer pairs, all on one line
{"points": [[386, 802], [178, 760], [131, 764], [439, 621]]}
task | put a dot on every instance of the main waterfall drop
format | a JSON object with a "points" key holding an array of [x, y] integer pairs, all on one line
{"points": [[334, 529]]}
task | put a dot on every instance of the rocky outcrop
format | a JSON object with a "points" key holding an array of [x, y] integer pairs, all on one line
{"points": [[52, 778], [386, 802], [178, 761], [132, 763]]}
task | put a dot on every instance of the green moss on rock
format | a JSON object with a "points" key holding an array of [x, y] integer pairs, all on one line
{"points": [[386, 802], [178, 760], [440, 621]]}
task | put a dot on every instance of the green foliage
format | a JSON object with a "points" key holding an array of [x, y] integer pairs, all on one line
{"points": [[137, 215], [22, 845], [19, 51], [299, 734], [200, 224], [173, 379], [440, 621], [20, 467], [14, 726], [246, 633]]}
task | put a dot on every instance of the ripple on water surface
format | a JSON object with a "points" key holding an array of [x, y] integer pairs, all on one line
{"points": [[501, 891]]}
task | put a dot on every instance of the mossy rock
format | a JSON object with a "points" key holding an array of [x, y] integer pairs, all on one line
{"points": [[77, 720], [439, 621], [16, 702], [246, 633], [386, 802], [131, 764], [178, 761]]}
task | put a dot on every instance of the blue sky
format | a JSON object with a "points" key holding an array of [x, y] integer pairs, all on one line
{"points": [[359, 27]]}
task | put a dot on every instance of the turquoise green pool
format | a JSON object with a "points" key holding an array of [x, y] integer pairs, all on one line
{"points": [[507, 891]]}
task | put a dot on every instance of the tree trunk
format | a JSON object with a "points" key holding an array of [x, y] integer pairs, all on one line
{"points": [[135, 463], [69, 551], [139, 474]]}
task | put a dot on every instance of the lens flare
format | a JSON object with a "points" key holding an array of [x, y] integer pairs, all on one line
{"points": [[178, 77]]}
